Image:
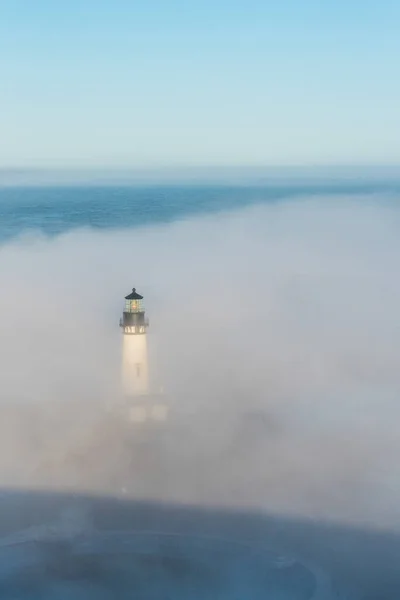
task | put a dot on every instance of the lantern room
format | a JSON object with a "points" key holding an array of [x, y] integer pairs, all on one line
{"points": [[133, 318], [134, 302]]}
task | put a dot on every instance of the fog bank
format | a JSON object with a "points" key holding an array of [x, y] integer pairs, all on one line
{"points": [[286, 313]]}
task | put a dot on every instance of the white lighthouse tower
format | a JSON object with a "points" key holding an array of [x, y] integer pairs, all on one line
{"points": [[135, 372]]}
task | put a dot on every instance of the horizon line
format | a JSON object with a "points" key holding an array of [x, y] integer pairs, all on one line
{"points": [[215, 174]]}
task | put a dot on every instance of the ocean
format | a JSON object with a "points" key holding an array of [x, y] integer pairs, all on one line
{"points": [[56, 210]]}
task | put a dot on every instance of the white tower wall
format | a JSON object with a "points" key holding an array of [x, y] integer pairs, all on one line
{"points": [[135, 373]]}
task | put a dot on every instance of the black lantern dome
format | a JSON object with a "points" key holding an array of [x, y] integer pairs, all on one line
{"points": [[133, 295]]}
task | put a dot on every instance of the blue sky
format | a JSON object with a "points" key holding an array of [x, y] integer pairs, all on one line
{"points": [[214, 82]]}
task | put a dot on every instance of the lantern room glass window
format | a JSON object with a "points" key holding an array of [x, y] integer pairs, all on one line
{"points": [[134, 306]]}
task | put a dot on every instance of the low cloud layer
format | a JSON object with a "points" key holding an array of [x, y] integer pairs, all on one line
{"points": [[273, 330]]}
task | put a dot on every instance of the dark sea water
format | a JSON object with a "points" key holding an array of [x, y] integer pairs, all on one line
{"points": [[56, 210]]}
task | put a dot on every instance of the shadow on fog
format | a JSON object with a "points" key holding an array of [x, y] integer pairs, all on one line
{"points": [[365, 562]]}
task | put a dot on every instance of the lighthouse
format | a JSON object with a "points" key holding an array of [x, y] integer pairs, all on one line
{"points": [[135, 373]]}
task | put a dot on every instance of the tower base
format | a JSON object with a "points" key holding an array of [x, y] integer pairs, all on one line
{"points": [[145, 409]]}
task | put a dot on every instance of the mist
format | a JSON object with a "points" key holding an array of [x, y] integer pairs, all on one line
{"points": [[273, 332]]}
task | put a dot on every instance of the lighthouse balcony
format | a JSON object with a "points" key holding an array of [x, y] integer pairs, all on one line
{"points": [[134, 320]]}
